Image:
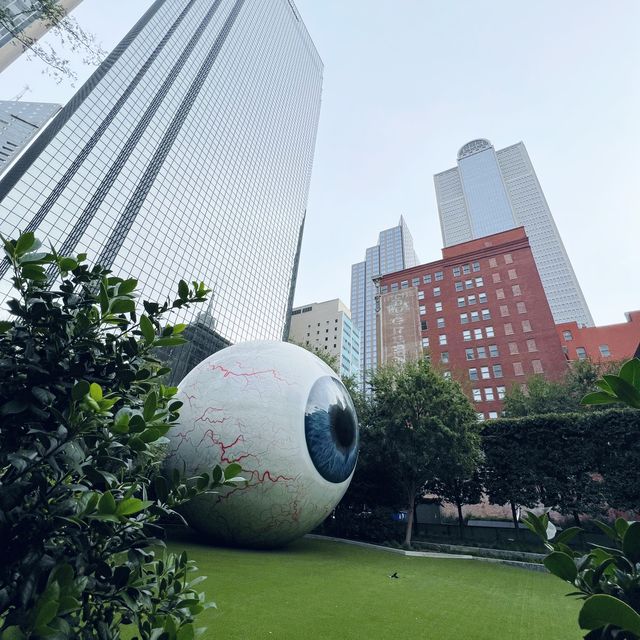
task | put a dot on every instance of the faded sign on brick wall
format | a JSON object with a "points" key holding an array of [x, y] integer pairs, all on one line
{"points": [[399, 318]]}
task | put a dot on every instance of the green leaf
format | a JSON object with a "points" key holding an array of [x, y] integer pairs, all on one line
{"points": [[149, 435], [147, 328], [132, 505], [5, 325], [561, 565], [186, 632], [67, 264], [106, 504], [567, 535], [80, 390], [25, 242], [630, 372], [631, 542], [150, 405], [607, 530], [95, 391], [122, 305], [13, 407], [624, 391], [33, 272], [598, 397], [46, 612], [621, 526], [127, 286], [232, 470], [104, 298], [170, 342], [183, 290], [178, 328], [13, 633], [601, 609]]}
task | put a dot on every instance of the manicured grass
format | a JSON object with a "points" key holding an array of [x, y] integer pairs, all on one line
{"points": [[317, 590]]}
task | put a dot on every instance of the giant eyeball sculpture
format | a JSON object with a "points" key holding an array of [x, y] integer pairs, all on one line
{"points": [[284, 416]]}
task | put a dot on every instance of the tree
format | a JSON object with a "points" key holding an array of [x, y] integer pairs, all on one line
{"points": [[328, 358], [65, 27], [83, 414], [424, 423]]}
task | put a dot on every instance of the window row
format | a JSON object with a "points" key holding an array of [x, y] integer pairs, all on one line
{"points": [[481, 352], [474, 316], [465, 269], [468, 335], [472, 299], [469, 284], [489, 394], [485, 372]]}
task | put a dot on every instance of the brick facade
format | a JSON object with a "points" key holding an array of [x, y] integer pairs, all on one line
{"points": [[484, 316], [611, 342]]}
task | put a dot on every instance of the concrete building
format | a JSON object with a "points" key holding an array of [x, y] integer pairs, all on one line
{"points": [[611, 342], [491, 191], [327, 326], [484, 316], [187, 154], [20, 123], [393, 252], [28, 25]]}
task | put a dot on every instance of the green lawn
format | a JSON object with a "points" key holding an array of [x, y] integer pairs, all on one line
{"points": [[316, 590]]}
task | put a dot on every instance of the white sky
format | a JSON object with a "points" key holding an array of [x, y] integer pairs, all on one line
{"points": [[408, 82]]}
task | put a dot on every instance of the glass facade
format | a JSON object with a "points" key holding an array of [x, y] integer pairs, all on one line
{"points": [[187, 154], [492, 191], [393, 252]]}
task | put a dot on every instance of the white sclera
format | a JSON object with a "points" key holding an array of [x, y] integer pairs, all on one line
{"points": [[246, 404]]}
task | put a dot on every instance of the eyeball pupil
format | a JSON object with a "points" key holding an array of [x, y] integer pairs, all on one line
{"points": [[343, 427]]}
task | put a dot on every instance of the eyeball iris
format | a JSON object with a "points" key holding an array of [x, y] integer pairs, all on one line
{"points": [[331, 429]]}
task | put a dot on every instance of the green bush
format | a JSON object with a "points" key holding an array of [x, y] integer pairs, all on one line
{"points": [[83, 411]]}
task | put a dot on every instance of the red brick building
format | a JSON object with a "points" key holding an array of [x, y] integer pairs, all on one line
{"points": [[611, 342], [485, 317]]}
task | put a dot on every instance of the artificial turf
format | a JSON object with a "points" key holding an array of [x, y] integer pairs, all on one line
{"points": [[316, 589]]}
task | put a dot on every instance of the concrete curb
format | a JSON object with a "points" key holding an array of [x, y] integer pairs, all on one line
{"points": [[529, 566]]}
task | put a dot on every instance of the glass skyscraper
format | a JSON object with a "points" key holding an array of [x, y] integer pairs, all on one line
{"points": [[489, 192], [393, 252], [187, 154]]}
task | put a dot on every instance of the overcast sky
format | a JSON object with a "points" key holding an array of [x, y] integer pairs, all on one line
{"points": [[408, 82]]}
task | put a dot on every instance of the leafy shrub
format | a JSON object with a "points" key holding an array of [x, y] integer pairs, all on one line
{"points": [[83, 411]]}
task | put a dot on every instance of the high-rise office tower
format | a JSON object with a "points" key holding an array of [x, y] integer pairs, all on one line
{"points": [[28, 22], [20, 122], [393, 252], [492, 191], [187, 154]]}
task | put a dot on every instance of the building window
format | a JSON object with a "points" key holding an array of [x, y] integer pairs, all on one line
{"points": [[442, 338], [383, 288], [493, 262], [516, 290], [526, 326], [436, 291], [475, 266], [475, 316], [497, 371], [464, 318], [471, 299], [404, 284], [512, 274], [459, 286], [466, 269], [440, 323], [456, 272], [521, 307], [500, 294], [513, 349], [479, 282], [486, 314], [423, 310], [444, 356], [489, 332], [439, 275], [461, 302], [438, 306], [517, 369], [446, 375], [394, 286], [482, 298], [604, 350], [415, 282], [473, 374], [507, 258], [581, 353], [504, 310], [480, 417], [537, 366], [485, 373], [420, 295], [531, 345], [477, 334], [425, 342], [493, 351], [423, 325], [426, 279], [469, 354], [466, 335], [495, 277], [567, 335], [493, 415], [468, 284], [488, 394], [482, 353], [502, 391], [477, 395]]}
